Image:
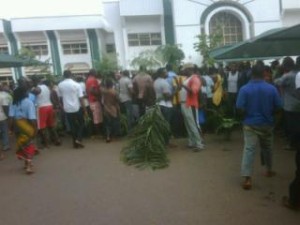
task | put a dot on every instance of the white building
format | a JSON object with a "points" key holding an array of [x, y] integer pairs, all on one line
{"points": [[68, 42], [135, 22], [131, 26]]}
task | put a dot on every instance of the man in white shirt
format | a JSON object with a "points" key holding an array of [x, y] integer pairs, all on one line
{"points": [[125, 96], [73, 105], [163, 95], [232, 85], [45, 112]]}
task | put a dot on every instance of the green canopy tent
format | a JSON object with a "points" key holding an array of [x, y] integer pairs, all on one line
{"points": [[7, 61], [274, 43]]}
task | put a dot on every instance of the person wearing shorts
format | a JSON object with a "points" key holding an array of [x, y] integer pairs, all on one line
{"points": [[45, 113]]}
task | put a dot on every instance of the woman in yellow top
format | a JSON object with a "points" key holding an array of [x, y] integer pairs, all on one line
{"points": [[218, 90]]}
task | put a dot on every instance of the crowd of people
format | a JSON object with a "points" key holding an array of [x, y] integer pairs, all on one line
{"points": [[93, 105]]}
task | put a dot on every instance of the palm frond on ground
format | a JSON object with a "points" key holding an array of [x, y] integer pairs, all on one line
{"points": [[147, 144]]}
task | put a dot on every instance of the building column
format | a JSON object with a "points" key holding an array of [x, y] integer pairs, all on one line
{"points": [[54, 52], [94, 46], [168, 22], [17, 71]]}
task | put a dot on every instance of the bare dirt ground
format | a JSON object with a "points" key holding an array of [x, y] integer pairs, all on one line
{"points": [[93, 187]]}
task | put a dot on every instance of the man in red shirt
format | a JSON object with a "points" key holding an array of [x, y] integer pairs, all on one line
{"points": [[189, 107], [93, 93]]}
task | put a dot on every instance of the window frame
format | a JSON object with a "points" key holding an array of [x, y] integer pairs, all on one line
{"points": [[74, 48], [144, 39], [37, 49], [231, 27]]}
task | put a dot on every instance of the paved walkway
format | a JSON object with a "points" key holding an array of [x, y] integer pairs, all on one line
{"points": [[93, 187]]}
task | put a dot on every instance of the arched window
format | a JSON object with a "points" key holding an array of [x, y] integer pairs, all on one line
{"points": [[231, 27]]}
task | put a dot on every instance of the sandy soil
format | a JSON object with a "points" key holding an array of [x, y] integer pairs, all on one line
{"points": [[93, 187]]}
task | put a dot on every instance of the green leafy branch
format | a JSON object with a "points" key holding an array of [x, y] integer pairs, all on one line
{"points": [[147, 146]]}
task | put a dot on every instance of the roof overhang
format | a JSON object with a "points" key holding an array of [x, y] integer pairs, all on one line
{"points": [[60, 23]]}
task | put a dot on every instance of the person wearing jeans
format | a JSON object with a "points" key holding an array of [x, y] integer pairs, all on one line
{"points": [[189, 107], [290, 85], [258, 100]]}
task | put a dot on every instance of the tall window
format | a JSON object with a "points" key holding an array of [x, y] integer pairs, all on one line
{"points": [[231, 27], [75, 48], [144, 39]]}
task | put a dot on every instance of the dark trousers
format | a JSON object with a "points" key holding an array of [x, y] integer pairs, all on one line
{"points": [[112, 126], [293, 127], [177, 122], [142, 106], [167, 114], [76, 122], [231, 104], [127, 109]]}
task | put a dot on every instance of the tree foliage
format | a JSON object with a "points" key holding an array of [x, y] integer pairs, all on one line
{"points": [[153, 59], [148, 59], [106, 65], [147, 146], [206, 43], [43, 67], [171, 54]]}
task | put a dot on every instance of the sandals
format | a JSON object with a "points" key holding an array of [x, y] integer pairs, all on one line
{"points": [[247, 184], [78, 144], [29, 167]]}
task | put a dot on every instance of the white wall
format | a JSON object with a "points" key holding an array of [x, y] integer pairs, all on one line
{"points": [[112, 15], [145, 24], [1, 26], [138, 24], [67, 59], [290, 4], [59, 23], [187, 13], [71, 35], [291, 18], [187, 27], [186, 37], [263, 27], [101, 41], [141, 7], [32, 37], [264, 10]]}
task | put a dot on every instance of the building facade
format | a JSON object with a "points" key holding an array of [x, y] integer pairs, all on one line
{"points": [[178, 22], [128, 27], [66, 42]]}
